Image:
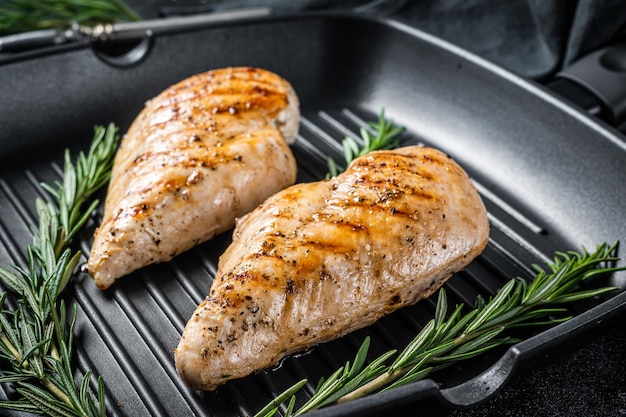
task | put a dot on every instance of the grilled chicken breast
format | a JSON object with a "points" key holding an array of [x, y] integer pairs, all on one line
{"points": [[319, 260], [202, 153]]}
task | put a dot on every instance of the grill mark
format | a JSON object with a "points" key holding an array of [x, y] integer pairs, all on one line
{"points": [[239, 77], [234, 290], [328, 247], [355, 227], [136, 210], [382, 198], [188, 134], [187, 98], [209, 158], [173, 158], [399, 163]]}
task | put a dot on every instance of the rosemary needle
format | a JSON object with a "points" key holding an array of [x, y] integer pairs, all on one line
{"points": [[452, 337], [25, 15], [384, 137], [37, 336]]}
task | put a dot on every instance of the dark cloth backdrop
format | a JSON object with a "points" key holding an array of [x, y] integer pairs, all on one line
{"points": [[534, 38]]}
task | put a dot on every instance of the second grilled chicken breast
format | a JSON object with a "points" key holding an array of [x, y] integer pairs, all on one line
{"points": [[319, 260], [202, 153]]}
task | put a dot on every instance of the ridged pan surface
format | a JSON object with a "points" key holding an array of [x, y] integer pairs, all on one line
{"points": [[551, 180]]}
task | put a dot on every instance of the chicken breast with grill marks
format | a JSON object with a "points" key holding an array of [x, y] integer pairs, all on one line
{"points": [[319, 260], [202, 153]]}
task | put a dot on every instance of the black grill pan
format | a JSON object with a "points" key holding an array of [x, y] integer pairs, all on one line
{"points": [[551, 178]]}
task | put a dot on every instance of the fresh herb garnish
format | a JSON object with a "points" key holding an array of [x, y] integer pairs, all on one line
{"points": [[384, 137], [37, 331], [449, 338], [26, 15]]}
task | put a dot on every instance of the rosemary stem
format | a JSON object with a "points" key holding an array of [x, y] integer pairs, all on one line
{"points": [[389, 377], [6, 342], [56, 391], [36, 339], [374, 385], [54, 352], [466, 337]]}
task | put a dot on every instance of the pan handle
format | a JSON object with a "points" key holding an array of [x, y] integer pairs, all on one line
{"points": [[603, 74], [536, 351]]}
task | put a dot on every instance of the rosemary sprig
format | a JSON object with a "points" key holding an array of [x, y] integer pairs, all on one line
{"points": [[385, 137], [37, 331], [25, 15], [449, 338]]}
